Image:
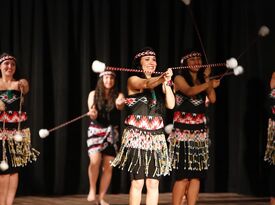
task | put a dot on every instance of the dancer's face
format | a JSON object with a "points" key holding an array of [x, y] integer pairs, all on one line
{"points": [[8, 67], [148, 63], [194, 61], [108, 81]]}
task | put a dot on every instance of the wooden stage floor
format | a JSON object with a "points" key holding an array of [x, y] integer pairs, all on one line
{"points": [[164, 199]]}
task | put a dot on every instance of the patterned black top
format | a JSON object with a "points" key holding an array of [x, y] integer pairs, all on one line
{"points": [[11, 116], [189, 112], [143, 111]]}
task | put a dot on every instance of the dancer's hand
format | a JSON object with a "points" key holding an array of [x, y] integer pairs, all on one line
{"points": [[2, 106], [120, 101], [215, 83], [23, 86], [168, 75], [93, 113]]}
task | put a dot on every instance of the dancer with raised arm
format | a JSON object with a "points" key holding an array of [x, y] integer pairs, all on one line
{"points": [[144, 150], [189, 139]]}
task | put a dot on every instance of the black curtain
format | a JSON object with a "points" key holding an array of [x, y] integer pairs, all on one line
{"points": [[56, 42]]}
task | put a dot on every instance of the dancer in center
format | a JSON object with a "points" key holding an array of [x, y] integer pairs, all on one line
{"points": [[189, 139], [143, 150]]}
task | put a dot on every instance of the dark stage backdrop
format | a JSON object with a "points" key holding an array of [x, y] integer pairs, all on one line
{"points": [[56, 42]]}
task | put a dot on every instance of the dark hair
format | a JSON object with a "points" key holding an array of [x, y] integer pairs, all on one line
{"points": [[6, 56], [139, 54], [100, 101], [185, 72]]}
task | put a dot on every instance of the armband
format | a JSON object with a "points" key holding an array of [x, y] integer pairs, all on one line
{"points": [[169, 83]]}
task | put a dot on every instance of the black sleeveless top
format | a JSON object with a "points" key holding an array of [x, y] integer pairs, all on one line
{"points": [[106, 118]]}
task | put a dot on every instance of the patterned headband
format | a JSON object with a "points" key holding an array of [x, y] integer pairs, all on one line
{"points": [[107, 73], [190, 55], [7, 57], [145, 53]]}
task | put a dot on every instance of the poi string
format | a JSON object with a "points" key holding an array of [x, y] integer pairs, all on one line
{"points": [[110, 68], [187, 3], [44, 132], [227, 71], [262, 32], [20, 108], [68, 122], [224, 74], [18, 136], [236, 71]]}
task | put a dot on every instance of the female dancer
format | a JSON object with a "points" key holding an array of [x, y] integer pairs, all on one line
{"points": [[15, 142], [104, 104], [144, 150], [189, 138]]}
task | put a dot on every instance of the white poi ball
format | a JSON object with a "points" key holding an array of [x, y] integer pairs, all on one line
{"points": [[168, 128], [263, 31], [98, 66], [4, 165], [238, 70], [186, 2], [43, 133], [18, 137], [231, 63]]}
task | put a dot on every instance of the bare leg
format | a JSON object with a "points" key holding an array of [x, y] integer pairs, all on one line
{"points": [[4, 186], [13, 183], [136, 191], [272, 200], [93, 171], [193, 191], [105, 178], [184, 198], [152, 186], [179, 190]]}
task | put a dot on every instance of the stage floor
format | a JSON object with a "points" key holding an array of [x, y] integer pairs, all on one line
{"points": [[164, 198]]}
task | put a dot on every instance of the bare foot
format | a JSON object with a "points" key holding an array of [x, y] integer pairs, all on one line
{"points": [[94, 202], [91, 197], [102, 202]]}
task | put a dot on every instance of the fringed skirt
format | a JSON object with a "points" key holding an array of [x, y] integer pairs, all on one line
{"points": [[141, 148], [14, 153], [270, 145], [189, 153], [102, 139]]}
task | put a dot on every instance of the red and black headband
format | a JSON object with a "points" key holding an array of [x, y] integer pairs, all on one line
{"points": [[190, 55], [7, 57], [144, 53]]}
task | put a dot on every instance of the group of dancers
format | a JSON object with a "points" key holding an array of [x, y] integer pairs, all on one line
{"points": [[144, 151]]}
